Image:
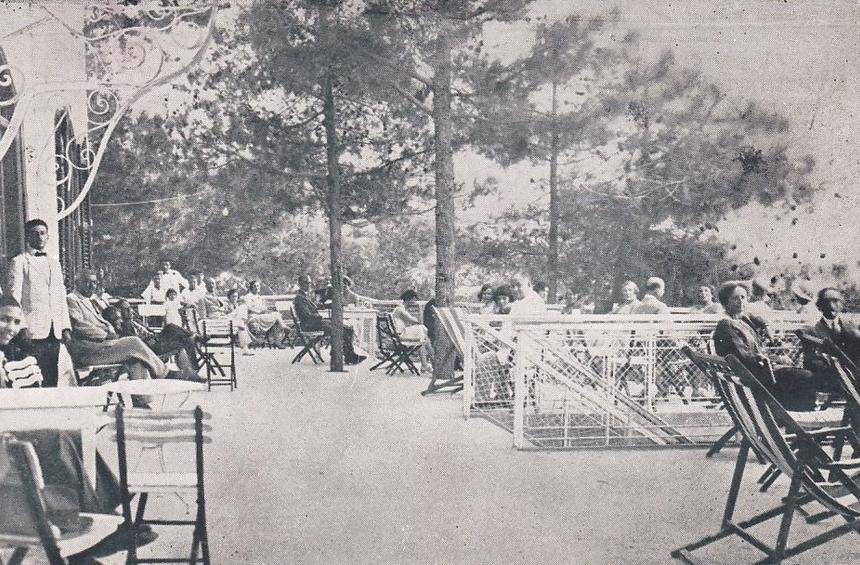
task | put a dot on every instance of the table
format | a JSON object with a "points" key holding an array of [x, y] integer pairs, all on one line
{"points": [[57, 408], [153, 387]]}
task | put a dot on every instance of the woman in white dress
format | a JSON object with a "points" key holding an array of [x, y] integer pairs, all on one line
{"points": [[407, 322]]}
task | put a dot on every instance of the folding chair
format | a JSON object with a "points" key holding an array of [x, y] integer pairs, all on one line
{"points": [[160, 429], [28, 512], [95, 375], [309, 341], [453, 330], [284, 308], [768, 429], [395, 351], [218, 352]]}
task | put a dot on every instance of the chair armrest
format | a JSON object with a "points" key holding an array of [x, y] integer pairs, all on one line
{"points": [[843, 464]]}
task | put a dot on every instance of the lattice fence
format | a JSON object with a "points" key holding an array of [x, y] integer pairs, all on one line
{"points": [[599, 381]]}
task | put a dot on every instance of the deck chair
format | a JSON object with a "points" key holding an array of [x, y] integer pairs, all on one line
{"points": [[24, 504], [96, 375], [451, 322], [767, 428], [218, 352], [146, 428], [309, 341], [396, 352]]}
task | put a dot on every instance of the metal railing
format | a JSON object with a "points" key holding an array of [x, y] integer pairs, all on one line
{"points": [[600, 380]]}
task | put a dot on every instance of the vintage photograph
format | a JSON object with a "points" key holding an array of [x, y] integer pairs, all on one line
{"points": [[424, 282]]}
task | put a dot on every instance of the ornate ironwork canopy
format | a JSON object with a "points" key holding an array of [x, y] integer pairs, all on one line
{"points": [[131, 47]]}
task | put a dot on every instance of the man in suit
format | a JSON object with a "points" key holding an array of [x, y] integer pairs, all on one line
{"points": [[310, 320], [844, 333], [36, 282]]}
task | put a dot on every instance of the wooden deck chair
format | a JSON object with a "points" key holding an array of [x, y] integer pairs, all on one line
{"points": [[26, 524], [218, 352], [168, 429], [397, 353], [454, 330], [309, 341], [95, 375], [769, 429]]}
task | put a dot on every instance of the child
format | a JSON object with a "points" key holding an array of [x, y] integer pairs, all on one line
{"points": [[171, 308]]}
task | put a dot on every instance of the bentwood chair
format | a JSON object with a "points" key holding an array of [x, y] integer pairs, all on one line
{"points": [[815, 476], [163, 430], [25, 522]]}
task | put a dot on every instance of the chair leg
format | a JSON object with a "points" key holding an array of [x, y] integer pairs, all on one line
{"points": [[141, 508], [18, 555], [721, 443], [785, 524]]}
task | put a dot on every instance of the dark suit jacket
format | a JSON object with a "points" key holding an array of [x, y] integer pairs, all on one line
{"points": [[847, 338], [743, 339], [307, 313]]}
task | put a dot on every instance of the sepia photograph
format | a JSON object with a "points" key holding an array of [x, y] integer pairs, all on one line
{"points": [[429, 282]]}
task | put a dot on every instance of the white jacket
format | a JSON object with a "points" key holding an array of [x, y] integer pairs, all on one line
{"points": [[43, 301]]}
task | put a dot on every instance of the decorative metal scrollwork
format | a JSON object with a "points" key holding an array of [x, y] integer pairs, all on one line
{"points": [[130, 49]]}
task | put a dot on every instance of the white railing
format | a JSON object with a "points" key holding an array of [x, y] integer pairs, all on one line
{"points": [[600, 380]]}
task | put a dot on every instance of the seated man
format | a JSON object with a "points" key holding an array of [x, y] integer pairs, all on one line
{"points": [[843, 333], [96, 342], [171, 340], [213, 306], [238, 312], [310, 320], [261, 320]]}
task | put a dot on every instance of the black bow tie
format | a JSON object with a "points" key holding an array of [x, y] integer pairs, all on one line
{"points": [[40, 254]]}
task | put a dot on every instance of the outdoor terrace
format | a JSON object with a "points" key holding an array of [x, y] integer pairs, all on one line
{"points": [[309, 466]]}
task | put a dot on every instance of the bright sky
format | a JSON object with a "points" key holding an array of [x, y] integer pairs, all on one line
{"points": [[797, 58]]}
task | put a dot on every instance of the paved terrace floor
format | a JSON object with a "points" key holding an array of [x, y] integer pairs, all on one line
{"points": [[319, 468]]}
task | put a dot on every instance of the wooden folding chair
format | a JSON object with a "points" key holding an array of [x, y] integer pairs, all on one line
{"points": [[768, 429], [450, 320], [284, 308], [396, 351], [309, 341], [28, 512], [218, 352], [163, 429], [95, 375]]}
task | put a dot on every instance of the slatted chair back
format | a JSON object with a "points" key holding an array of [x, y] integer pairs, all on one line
{"points": [[452, 323], [767, 427], [804, 457], [395, 351], [183, 428], [218, 337]]}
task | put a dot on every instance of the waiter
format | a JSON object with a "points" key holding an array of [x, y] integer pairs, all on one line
{"points": [[36, 282]]}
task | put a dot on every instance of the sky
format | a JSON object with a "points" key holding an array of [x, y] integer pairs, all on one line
{"points": [[798, 58]]}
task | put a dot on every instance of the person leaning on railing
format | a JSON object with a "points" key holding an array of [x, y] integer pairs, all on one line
{"points": [[742, 335]]}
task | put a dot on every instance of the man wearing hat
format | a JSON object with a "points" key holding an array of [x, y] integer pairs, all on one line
{"points": [[803, 298], [759, 297]]}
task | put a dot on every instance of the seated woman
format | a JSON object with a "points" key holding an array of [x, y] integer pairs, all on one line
{"points": [[238, 312], [408, 321], [503, 296], [742, 335], [485, 297], [261, 320]]}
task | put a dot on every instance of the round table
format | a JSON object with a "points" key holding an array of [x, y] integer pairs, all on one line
{"points": [[153, 388]]}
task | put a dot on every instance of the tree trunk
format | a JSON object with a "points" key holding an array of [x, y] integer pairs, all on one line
{"points": [[554, 212], [334, 223], [443, 364]]}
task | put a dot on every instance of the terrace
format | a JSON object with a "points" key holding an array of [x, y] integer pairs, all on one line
{"points": [[313, 467]]}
